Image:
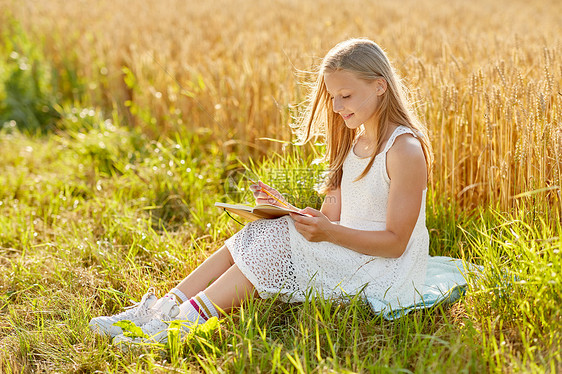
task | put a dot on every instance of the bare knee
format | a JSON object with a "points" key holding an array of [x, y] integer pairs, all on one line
{"points": [[224, 251]]}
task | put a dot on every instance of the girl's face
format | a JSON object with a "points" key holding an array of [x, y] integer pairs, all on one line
{"points": [[356, 100]]}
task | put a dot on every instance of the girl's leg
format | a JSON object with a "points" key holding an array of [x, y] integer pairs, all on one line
{"points": [[230, 290], [206, 273], [226, 293], [223, 295]]}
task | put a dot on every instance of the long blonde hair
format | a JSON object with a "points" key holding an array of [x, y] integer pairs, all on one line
{"points": [[367, 61]]}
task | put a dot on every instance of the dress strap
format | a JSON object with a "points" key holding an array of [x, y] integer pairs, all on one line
{"points": [[400, 130]]}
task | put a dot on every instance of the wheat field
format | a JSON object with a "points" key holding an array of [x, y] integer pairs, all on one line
{"points": [[485, 75]]}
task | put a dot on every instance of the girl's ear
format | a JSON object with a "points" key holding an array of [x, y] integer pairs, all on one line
{"points": [[381, 86]]}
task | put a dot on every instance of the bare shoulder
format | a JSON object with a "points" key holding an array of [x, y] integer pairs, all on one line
{"points": [[406, 145], [406, 157]]}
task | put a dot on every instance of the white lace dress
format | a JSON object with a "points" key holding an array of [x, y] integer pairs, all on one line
{"points": [[277, 259]]}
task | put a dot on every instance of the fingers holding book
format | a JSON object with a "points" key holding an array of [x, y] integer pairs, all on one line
{"points": [[313, 225]]}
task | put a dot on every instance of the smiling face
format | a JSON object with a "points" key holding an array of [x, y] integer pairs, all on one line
{"points": [[355, 99]]}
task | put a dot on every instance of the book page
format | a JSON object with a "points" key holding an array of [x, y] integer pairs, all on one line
{"points": [[256, 212]]}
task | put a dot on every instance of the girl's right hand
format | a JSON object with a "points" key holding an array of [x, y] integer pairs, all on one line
{"points": [[263, 198]]}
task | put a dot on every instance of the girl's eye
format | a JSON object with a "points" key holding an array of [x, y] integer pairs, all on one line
{"points": [[345, 97]]}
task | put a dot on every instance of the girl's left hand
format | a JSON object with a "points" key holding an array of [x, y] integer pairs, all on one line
{"points": [[315, 227]]}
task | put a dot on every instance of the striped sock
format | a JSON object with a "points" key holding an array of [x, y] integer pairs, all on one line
{"points": [[198, 309], [210, 307], [180, 296]]}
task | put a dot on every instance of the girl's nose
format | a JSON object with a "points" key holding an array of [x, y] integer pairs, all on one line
{"points": [[338, 107]]}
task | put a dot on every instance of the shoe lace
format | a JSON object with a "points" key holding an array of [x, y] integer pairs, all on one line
{"points": [[160, 320], [139, 309]]}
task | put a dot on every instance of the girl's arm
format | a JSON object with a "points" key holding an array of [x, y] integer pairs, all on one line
{"points": [[331, 207], [408, 173]]}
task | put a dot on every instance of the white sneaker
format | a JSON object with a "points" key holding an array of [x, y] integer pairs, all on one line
{"points": [[140, 313], [156, 330]]}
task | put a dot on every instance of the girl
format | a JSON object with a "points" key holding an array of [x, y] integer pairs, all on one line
{"points": [[369, 236]]}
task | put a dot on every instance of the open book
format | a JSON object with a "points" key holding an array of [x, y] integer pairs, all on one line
{"points": [[253, 213]]}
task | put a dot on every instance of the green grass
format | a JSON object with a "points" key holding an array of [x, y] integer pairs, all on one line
{"points": [[91, 216]]}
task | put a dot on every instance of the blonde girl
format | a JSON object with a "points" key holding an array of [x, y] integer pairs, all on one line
{"points": [[369, 237]]}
